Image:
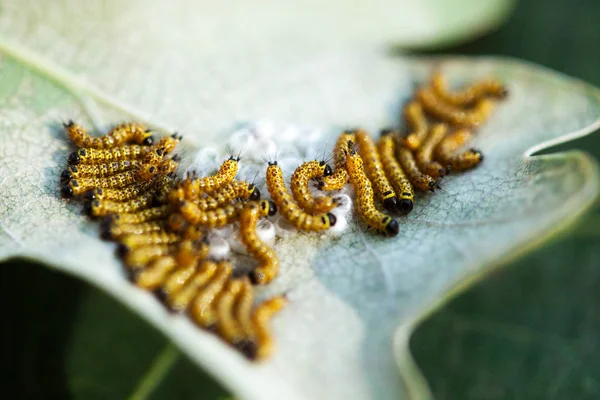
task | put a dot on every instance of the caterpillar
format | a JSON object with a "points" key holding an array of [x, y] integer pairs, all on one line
{"points": [[452, 114], [130, 242], [82, 185], [444, 152], [424, 156], [187, 253], [182, 290], [339, 177], [101, 156], [260, 319], [288, 209], [194, 188], [417, 123], [98, 208], [150, 214], [374, 170], [121, 134], [268, 262], [159, 184], [243, 315], [98, 170], [210, 219], [397, 177], [419, 180], [240, 190], [120, 153], [142, 256], [301, 193], [110, 231], [228, 325], [202, 306], [469, 95], [364, 197]]}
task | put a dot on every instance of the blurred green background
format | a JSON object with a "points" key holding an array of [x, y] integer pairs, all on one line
{"points": [[529, 331]]}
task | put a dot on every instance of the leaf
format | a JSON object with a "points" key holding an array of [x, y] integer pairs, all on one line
{"points": [[348, 295]]}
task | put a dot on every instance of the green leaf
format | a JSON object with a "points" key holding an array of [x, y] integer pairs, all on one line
{"points": [[527, 332]]}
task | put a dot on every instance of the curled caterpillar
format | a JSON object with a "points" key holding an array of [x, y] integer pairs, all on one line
{"points": [[364, 198], [290, 210], [444, 152], [417, 124], [194, 188], [452, 114], [397, 177], [470, 94], [121, 134], [424, 156], [268, 267], [202, 307], [301, 192], [374, 170], [339, 177]]}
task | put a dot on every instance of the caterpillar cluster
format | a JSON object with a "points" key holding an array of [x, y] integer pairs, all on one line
{"points": [[162, 226], [165, 226]]}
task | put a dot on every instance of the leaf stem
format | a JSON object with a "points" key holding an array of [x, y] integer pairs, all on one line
{"points": [[157, 372]]}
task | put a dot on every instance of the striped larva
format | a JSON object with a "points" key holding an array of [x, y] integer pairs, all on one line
{"points": [[419, 180], [402, 186], [364, 197], [268, 267], [374, 170]]}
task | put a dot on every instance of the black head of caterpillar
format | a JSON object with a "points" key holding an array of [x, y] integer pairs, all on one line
{"points": [[331, 217], [66, 191], [255, 192], [270, 205], [392, 227], [405, 206], [73, 158], [327, 171], [148, 140]]}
